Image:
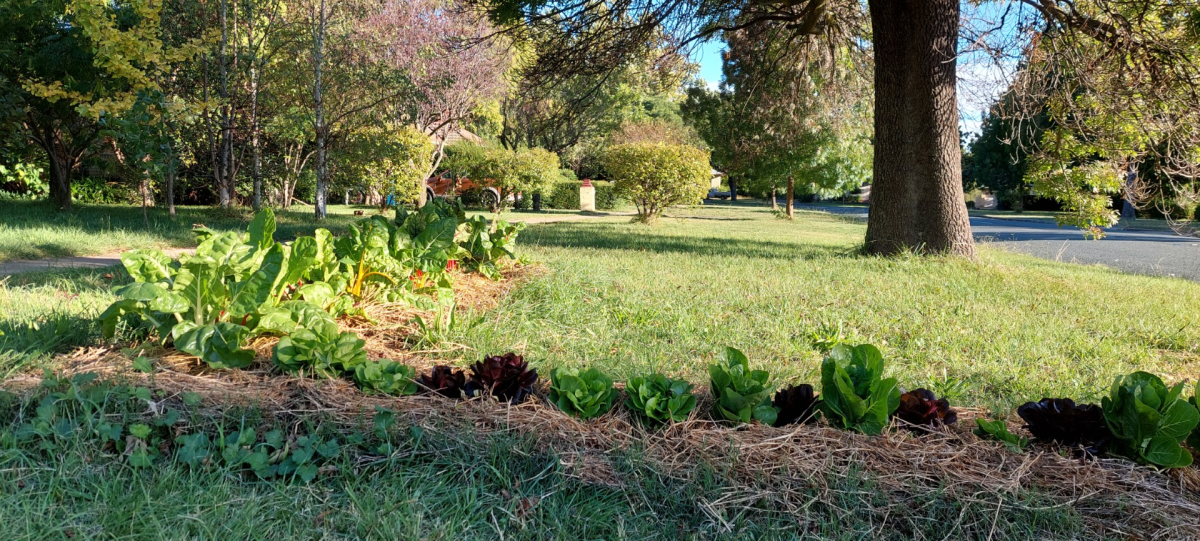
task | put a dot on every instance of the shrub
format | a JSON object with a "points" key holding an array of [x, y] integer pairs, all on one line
{"points": [[22, 181], [658, 399], [97, 191], [854, 394], [655, 176], [524, 171], [741, 394], [565, 195], [585, 394], [392, 160], [1149, 421]]}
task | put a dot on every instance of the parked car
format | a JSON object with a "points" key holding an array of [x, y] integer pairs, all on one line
{"points": [[714, 193], [448, 185]]}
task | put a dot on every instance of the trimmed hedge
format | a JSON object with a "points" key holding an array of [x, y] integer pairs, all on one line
{"points": [[565, 195]]}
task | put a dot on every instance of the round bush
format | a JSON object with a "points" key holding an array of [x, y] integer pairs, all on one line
{"points": [[654, 175]]}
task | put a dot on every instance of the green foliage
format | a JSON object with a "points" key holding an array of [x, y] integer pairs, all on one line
{"points": [[565, 195], [323, 350], [854, 394], [659, 399], [741, 394], [22, 181], [385, 376], [1194, 438], [524, 171], [390, 159], [997, 430], [586, 394], [100, 191], [218, 344], [1149, 420], [485, 243], [655, 176]]}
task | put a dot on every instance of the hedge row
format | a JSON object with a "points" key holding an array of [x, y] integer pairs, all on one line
{"points": [[565, 195]]}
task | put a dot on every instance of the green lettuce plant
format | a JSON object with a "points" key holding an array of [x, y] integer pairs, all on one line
{"points": [[384, 376], [659, 399], [321, 349], [997, 430], [854, 394], [1149, 421], [740, 394], [583, 393]]}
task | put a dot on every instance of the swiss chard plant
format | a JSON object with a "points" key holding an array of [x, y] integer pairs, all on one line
{"points": [[586, 394], [486, 243], [921, 408], [504, 377], [1149, 421], [659, 399], [854, 393], [796, 404], [1062, 421], [1194, 439], [739, 393], [197, 301], [322, 350]]}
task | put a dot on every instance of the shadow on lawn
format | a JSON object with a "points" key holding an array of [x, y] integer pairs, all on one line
{"points": [[619, 237], [99, 220]]}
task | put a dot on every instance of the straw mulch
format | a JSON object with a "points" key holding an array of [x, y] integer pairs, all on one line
{"points": [[787, 468]]}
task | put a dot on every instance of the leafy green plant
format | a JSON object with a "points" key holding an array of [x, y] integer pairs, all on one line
{"points": [[921, 408], [659, 399], [1149, 421], [583, 393], [854, 394], [487, 243], [1063, 421], [505, 377], [741, 394], [1194, 439], [218, 344], [385, 376], [322, 349], [444, 380], [998, 430], [796, 404]]}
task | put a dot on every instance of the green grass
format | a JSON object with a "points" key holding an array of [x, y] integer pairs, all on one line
{"points": [[995, 332], [438, 483], [35, 230], [630, 299]]}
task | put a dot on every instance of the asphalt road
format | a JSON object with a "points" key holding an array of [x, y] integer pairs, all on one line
{"points": [[1143, 252]]}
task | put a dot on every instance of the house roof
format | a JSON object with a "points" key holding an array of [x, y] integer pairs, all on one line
{"points": [[456, 135]]}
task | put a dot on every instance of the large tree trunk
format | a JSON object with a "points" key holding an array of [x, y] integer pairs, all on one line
{"points": [[916, 197], [319, 113]]}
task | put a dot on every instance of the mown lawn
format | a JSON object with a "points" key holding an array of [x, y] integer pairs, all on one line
{"points": [[994, 332], [629, 299]]}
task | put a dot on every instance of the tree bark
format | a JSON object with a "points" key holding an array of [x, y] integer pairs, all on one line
{"points": [[225, 152], [732, 189], [774, 203], [319, 112], [791, 196], [916, 197], [171, 186]]}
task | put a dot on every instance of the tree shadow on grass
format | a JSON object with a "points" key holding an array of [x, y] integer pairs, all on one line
{"points": [[616, 237]]}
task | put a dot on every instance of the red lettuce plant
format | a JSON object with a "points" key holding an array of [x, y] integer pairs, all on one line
{"points": [[444, 380], [796, 404], [506, 377], [919, 407], [1063, 421]]}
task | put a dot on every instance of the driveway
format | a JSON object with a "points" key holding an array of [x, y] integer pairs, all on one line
{"points": [[1143, 252]]}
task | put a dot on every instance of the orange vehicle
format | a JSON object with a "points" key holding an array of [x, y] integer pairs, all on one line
{"points": [[448, 185]]}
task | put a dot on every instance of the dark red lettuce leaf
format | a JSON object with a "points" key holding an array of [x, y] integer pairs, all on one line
{"points": [[921, 408], [1063, 421], [506, 377], [797, 403], [443, 380]]}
